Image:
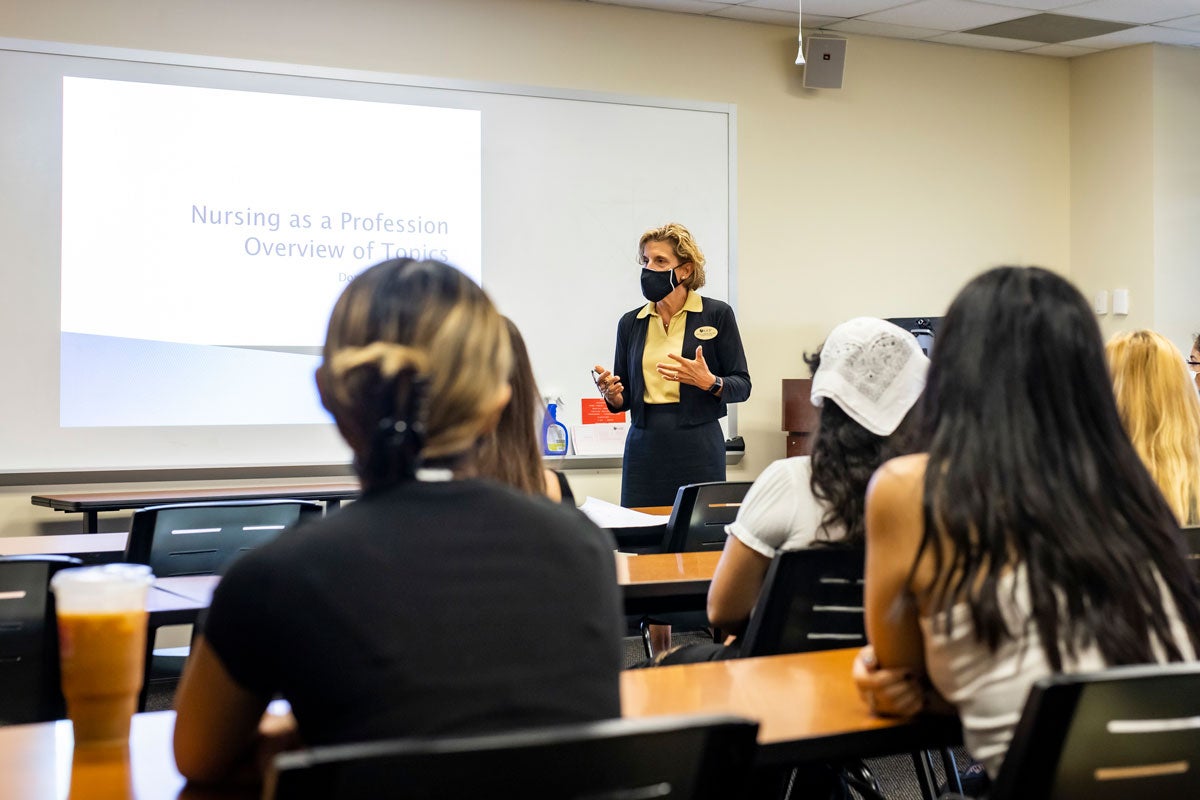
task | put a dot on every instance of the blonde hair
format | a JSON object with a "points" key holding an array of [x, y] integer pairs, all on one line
{"points": [[1161, 414], [684, 247], [512, 452], [413, 345]]}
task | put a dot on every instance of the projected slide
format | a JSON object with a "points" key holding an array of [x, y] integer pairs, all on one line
{"points": [[206, 234]]}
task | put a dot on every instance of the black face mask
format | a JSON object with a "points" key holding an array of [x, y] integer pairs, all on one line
{"points": [[657, 285]]}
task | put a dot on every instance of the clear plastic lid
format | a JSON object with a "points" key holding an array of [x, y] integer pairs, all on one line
{"points": [[110, 587]]}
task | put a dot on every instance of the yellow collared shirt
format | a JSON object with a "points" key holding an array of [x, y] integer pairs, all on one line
{"points": [[659, 343]]}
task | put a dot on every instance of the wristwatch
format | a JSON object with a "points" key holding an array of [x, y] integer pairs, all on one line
{"points": [[715, 389]]}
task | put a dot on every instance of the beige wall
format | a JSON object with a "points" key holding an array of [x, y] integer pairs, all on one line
{"points": [[1112, 180], [1135, 185], [1177, 194], [933, 162]]}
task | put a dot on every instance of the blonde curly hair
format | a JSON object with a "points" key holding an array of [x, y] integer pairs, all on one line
{"points": [[684, 247], [1161, 414]]}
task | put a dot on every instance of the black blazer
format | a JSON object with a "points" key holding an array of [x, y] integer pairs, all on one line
{"points": [[723, 353]]}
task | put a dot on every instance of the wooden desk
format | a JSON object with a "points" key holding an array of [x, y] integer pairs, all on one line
{"points": [[92, 503], [663, 582], [658, 511], [806, 704], [643, 539], [92, 548], [36, 762]]}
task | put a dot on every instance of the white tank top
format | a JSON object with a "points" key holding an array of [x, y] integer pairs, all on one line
{"points": [[989, 689]]}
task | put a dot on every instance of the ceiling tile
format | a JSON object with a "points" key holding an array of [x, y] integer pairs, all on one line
{"points": [[814, 21], [985, 42], [1141, 35], [946, 15], [752, 14], [848, 8], [868, 28], [1035, 5], [686, 6], [1060, 50], [1050, 28], [1186, 23], [777, 5], [1140, 11]]}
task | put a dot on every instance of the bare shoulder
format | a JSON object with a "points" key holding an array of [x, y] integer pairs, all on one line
{"points": [[894, 509], [899, 478], [552, 489]]}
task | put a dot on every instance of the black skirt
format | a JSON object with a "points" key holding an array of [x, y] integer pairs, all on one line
{"points": [[662, 456]]}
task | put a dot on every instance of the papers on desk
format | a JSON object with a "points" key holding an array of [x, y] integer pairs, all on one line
{"points": [[599, 439], [607, 515]]}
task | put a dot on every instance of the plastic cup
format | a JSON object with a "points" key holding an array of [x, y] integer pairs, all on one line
{"points": [[102, 647]]}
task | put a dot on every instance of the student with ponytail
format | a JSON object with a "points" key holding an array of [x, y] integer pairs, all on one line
{"points": [[418, 609]]}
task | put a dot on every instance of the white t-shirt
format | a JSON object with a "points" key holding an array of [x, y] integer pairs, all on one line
{"points": [[780, 512]]}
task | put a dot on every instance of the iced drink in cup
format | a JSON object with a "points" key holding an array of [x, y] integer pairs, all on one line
{"points": [[102, 647]]}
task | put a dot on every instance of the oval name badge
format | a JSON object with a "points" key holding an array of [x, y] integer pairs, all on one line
{"points": [[706, 332]]}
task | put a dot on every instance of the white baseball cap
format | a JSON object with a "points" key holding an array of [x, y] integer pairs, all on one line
{"points": [[873, 370]]}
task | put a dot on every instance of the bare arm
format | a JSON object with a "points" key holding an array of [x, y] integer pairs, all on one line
{"points": [[735, 586], [217, 723], [895, 525]]}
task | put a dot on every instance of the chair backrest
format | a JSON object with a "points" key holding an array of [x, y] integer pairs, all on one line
{"points": [[812, 599], [700, 514], [29, 677], [663, 757], [1126, 732], [203, 538], [1191, 542]]}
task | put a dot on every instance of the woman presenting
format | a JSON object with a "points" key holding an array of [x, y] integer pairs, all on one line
{"points": [[679, 362]]}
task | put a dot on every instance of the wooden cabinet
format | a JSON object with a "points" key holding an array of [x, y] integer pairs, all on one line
{"points": [[800, 416]]}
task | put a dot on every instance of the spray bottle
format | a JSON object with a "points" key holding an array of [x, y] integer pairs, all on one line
{"points": [[554, 433]]}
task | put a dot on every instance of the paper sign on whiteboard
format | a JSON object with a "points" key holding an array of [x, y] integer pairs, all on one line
{"points": [[593, 410], [605, 439]]}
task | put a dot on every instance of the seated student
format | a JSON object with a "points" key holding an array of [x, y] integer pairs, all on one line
{"points": [[512, 453], [866, 378], [1029, 540], [1161, 413], [416, 611]]}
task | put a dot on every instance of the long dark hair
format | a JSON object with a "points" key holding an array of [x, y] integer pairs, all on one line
{"points": [[844, 457], [1030, 466]]}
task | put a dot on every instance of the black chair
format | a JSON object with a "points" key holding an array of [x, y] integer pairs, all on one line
{"points": [[1191, 543], [664, 757], [812, 599], [697, 522], [29, 678], [1126, 732], [203, 538], [700, 514]]}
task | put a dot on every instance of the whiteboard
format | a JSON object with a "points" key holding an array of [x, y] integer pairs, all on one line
{"points": [[569, 180]]}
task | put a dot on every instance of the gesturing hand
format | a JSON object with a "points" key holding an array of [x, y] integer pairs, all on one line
{"points": [[610, 385], [693, 372]]}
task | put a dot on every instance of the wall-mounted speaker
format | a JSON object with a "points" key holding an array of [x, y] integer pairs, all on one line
{"points": [[825, 61]]}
